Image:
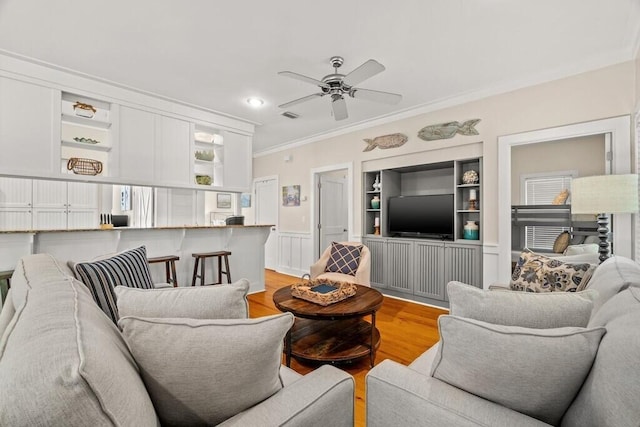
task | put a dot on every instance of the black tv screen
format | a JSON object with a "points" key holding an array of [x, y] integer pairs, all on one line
{"points": [[422, 216]]}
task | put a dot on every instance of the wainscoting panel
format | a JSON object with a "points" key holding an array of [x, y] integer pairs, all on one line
{"points": [[295, 254]]}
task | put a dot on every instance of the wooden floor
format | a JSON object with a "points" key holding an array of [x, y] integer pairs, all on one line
{"points": [[406, 330]]}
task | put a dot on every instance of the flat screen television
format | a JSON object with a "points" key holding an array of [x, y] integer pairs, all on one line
{"points": [[421, 216]]}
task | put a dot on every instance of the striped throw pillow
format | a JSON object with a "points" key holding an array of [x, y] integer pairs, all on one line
{"points": [[129, 268]]}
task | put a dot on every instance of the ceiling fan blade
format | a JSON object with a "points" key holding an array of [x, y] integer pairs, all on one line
{"points": [[363, 72], [304, 78], [375, 95], [339, 106], [300, 100]]}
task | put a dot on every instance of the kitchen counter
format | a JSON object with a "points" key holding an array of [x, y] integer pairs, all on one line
{"points": [[245, 242]]}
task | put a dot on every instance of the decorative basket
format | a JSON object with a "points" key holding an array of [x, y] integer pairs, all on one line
{"points": [[81, 166], [318, 291], [84, 110]]}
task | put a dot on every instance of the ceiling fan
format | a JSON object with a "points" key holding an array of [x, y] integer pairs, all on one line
{"points": [[339, 85]]}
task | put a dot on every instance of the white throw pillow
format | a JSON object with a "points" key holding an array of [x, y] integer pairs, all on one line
{"points": [[537, 372], [525, 309], [197, 302], [201, 372]]}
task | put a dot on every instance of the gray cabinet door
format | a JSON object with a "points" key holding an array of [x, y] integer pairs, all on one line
{"points": [[462, 263], [376, 248], [398, 272], [429, 270]]}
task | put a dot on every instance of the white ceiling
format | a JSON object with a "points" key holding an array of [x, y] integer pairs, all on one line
{"points": [[216, 54]]}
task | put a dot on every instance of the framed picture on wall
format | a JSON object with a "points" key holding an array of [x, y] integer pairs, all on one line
{"points": [[245, 200], [291, 195], [224, 201]]}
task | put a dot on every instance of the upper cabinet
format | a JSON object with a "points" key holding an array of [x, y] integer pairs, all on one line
{"points": [[27, 128], [104, 133]]}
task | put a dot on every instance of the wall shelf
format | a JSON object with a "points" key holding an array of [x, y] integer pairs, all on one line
{"points": [[83, 121], [94, 147]]}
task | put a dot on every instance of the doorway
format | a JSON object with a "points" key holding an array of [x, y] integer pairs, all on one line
{"points": [[266, 201], [617, 136], [332, 213]]}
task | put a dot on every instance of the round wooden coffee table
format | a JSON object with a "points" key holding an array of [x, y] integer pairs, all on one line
{"points": [[334, 333]]}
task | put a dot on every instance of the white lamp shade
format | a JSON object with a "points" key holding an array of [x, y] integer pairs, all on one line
{"points": [[608, 194]]}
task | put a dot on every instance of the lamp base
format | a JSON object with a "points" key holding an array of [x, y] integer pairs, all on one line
{"points": [[603, 235]]}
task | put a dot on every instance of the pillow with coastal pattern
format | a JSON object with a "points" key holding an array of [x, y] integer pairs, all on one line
{"points": [[538, 273]]}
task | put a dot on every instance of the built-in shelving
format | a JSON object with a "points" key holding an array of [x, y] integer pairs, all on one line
{"points": [[83, 117], [208, 156]]}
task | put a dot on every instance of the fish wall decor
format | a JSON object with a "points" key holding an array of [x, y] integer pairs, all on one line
{"points": [[386, 141], [448, 130]]}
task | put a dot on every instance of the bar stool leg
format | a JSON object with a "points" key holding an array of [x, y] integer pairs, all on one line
{"points": [[228, 272], [195, 272], [202, 268], [175, 276], [219, 270], [166, 271]]}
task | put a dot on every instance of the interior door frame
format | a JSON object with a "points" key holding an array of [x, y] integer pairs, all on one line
{"points": [[255, 216], [616, 128], [314, 195]]}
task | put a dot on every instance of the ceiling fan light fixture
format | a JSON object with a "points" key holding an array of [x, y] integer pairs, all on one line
{"points": [[255, 102]]}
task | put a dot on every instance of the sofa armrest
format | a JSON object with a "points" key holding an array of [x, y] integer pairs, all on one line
{"points": [[398, 395], [324, 397]]}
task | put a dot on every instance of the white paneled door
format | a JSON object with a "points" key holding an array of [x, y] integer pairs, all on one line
{"points": [[333, 211]]}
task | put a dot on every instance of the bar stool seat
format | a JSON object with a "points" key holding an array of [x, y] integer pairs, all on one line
{"points": [[201, 257], [169, 266]]}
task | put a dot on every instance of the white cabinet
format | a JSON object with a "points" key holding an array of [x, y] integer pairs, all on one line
{"points": [[136, 145], [15, 219], [237, 161], [15, 192], [27, 128], [172, 160], [59, 205]]}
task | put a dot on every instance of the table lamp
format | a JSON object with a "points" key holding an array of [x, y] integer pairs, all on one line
{"points": [[601, 195]]}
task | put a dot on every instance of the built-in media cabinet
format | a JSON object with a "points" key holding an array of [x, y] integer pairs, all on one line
{"points": [[416, 233]]}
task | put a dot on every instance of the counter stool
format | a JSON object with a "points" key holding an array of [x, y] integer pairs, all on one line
{"points": [[169, 267], [200, 258], [5, 276]]}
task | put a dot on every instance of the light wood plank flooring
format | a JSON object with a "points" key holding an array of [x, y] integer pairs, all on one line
{"points": [[406, 329]]}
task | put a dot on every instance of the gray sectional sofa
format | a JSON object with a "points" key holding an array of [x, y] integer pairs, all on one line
{"points": [[605, 394], [63, 362]]}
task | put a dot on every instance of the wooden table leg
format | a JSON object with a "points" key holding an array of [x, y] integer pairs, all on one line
{"points": [[287, 348], [373, 329]]}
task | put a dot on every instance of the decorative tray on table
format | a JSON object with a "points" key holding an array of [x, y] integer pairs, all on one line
{"points": [[323, 291]]}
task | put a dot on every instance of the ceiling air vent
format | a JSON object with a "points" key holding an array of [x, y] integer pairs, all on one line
{"points": [[290, 115]]}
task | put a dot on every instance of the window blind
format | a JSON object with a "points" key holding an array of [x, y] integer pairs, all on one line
{"points": [[541, 191]]}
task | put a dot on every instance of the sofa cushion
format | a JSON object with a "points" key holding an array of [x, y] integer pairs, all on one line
{"points": [[539, 273], [344, 258], [534, 371], [609, 396], [197, 302], [620, 304], [62, 362], [201, 372], [526, 309], [612, 276], [128, 268]]}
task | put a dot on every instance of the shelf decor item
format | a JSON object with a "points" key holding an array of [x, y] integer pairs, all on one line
{"points": [[203, 179], [470, 177], [376, 183], [323, 291], [81, 166], [471, 231], [473, 200], [84, 110], [206, 155], [86, 140], [375, 202]]}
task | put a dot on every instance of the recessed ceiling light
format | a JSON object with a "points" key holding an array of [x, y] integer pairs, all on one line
{"points": [[255, 102]]}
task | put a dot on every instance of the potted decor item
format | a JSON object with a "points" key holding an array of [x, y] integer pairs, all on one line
{"points": [[375, 202], [471, 231]]}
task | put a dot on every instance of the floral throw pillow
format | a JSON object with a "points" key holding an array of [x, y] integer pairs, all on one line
{"points": [[539, 273]]}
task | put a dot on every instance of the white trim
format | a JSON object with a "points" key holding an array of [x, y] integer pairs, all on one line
{"points": [[618, 127], [315, 172], [411, 300], [609, 59]]}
